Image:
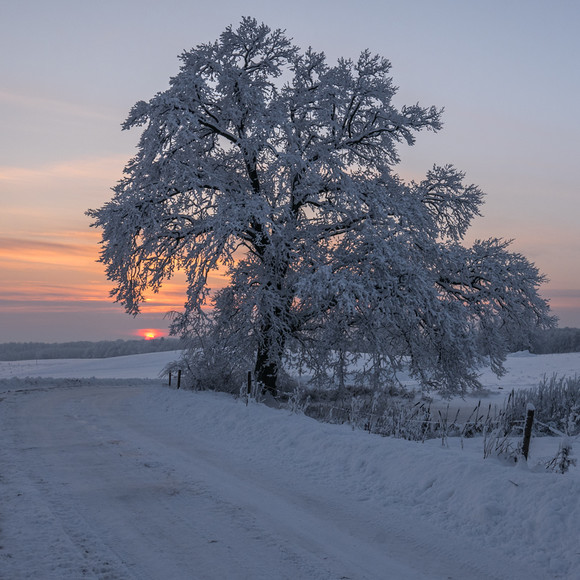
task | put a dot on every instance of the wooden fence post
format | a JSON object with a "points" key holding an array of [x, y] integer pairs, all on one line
{"points": [[249, 390], [179, 378], [169, 378], [528, 430]]}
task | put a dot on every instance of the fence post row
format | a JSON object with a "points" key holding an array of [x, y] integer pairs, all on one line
{"points": [[178, 378]]}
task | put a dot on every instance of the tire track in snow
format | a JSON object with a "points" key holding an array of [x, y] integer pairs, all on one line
{"points": [[42, 536]]}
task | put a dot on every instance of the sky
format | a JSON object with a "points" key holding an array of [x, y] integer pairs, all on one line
{"points": [[506, 73]]}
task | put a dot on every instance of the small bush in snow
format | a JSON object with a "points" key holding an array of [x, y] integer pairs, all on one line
{"points": [[213, 363], [563, 459]]}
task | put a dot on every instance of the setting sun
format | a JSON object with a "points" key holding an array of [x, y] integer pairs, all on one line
{"points": [[150, 333]]}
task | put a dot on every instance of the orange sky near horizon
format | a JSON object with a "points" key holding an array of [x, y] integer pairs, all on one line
{"points": [[49, 254], [62, 268], [56, 271], [49, 264]]}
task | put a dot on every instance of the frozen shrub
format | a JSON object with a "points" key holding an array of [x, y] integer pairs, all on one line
{"points": [[212, 363], [563, 459]]}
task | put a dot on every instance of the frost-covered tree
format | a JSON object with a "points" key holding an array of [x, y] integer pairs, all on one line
{"points": [[269, 163]]}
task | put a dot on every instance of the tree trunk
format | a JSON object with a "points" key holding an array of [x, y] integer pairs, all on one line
{"points": [[272, 338], [266, 371], [268, 359]]}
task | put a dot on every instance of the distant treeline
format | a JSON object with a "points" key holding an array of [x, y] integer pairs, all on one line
{"points": [[556, 340], [12, 351]]}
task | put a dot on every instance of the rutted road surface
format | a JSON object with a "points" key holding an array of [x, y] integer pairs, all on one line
{"points": [[96, 484]]}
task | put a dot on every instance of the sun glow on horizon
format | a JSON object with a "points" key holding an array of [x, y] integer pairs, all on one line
{"points": [[151, 333]]}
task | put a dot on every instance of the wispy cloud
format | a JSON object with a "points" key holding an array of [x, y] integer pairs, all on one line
{"points": [[564, 294], [57, 106], [564, 300], [31, 307], [59, 270], [44, 291], [100, 168], [45, 245], [19, 254], [42, 297]]}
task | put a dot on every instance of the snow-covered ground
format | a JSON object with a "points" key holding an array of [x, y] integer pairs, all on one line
{"points": [[139, 366], [146, 482]]}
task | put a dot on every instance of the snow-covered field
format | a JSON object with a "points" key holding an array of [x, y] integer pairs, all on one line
{"points": [[146, 482], [139, 366]]}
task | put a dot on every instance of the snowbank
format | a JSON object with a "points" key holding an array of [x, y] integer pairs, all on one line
{"points": [[526, 514]]}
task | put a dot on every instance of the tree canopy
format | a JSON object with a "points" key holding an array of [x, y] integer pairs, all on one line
{"points": [[267, 161]]}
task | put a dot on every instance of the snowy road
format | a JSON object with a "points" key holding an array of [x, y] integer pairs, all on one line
{"points": [[97, 483]]}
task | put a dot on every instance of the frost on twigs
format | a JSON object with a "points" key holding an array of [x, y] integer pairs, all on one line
{"points": [[277, 167]]}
